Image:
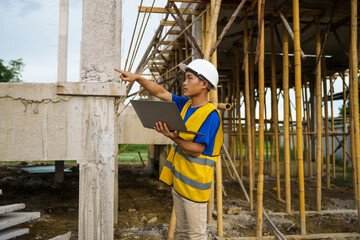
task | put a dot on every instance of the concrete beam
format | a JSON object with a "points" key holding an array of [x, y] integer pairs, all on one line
{"points": [[11, 208], [13, 233], [110, 89], [38, 124], [15, 218], [133, 132]]}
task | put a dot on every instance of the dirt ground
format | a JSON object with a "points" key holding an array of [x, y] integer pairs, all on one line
{"points": [[145, 205]]}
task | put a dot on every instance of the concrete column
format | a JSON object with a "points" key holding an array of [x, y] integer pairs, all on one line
{"points": [[100, 54], [62, 67], [63, 40]]}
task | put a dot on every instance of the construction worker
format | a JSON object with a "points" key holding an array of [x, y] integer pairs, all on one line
{"points": [[189, 166]]}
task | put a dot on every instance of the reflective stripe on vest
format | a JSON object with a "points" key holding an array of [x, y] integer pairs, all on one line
{"points": [[186, 180], [201, 161]]}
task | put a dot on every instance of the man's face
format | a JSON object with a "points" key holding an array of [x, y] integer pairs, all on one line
{"points": [[193, 85]]}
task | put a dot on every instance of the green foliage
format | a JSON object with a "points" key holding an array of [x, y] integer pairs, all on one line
{"points": [[130, 154], [12, 71]]}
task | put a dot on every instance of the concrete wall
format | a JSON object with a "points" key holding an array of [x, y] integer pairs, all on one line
{"points": [[37, 124]]}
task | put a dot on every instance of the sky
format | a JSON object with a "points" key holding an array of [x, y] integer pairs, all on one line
{"points": [[29, 30]]}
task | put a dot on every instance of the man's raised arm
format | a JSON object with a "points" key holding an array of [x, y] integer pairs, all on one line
{"points": [[154, 88]]}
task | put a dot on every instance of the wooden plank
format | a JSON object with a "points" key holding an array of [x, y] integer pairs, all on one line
{"points": [[11, 208], [111, 89], [11, 219], [12, 233], [163, 10], [66, 236], [167, 23], [309, 236], [323, 212]]}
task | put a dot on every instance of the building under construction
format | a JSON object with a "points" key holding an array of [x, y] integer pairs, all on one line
{"points": [[278, 49], [280, 63]]}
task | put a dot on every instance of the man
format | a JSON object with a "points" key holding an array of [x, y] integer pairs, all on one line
{"points": [[189, 166]]}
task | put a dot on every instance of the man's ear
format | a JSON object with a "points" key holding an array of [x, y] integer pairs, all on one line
{"points": [[205, 84]]}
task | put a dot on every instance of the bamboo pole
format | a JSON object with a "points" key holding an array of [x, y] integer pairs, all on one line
{"points": [[215, 9], [237, 72], [260, 178], [332, 127], [319, 126], [297, 57], [252, 107], [304, 119], [266, 130], [230, 114], [355, 97], [172, 225], [344, 128], [275, 112], [228, 25], [292, 130], [248, 114], [352, 129], [288, 28], [285, 44], [213, 97], [327, 147], [205, 32]]}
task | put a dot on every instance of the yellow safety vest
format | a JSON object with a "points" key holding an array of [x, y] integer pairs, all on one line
{"points": [[191, 176]]}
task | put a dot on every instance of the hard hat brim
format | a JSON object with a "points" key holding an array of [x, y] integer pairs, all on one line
{"points": [[183, 66]]}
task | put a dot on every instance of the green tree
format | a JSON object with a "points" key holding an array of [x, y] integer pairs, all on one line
{"points": [[12, 71]]}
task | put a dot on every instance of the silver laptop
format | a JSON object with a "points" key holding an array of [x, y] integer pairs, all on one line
{"points": [[151, 112]]}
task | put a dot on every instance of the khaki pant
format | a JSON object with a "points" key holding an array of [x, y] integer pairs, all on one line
{"points": [[190, 218]]}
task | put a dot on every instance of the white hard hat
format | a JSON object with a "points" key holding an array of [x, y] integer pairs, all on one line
{"points": [[203, 69]]}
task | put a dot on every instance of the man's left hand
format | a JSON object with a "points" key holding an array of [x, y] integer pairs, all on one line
{"points": [[163, 129]]}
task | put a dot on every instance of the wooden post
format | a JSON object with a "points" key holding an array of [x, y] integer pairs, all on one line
{"points": [[355, 97], [260, 178], [285, 44], [59, 172], [319, 125], [327, 147], [332, 127], [297, 57], [344, 128], [352, 129], [275, 113], [96, 189], [248, 114], [62, 68]]}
